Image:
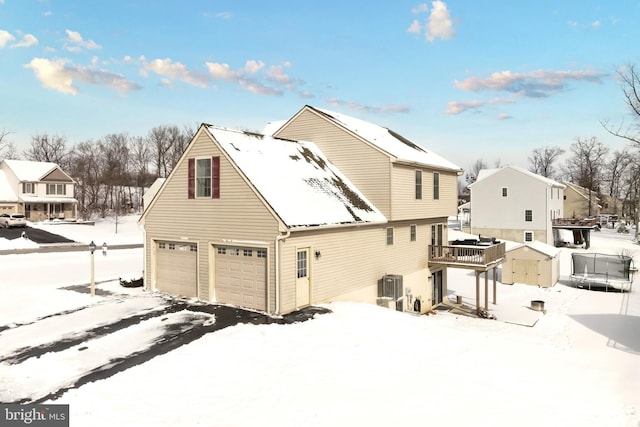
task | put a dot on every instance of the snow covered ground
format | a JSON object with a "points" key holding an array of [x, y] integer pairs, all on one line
{"points": [[360, 365]]}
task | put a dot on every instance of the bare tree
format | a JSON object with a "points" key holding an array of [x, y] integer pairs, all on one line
{"points": [[86, 169], [7, 149], [472, 174], [48, 148], [542, 160], [630, 81], [586, 164]]}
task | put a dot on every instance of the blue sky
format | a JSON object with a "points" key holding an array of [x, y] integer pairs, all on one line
{"points": [[469, 80]]}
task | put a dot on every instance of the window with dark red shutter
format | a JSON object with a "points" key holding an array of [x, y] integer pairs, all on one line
{"points": [[215, 177]]}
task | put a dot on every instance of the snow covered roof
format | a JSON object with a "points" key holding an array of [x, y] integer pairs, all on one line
{"points": [[389, 141], [543, 248], [484, 173], [296, 180], [6, 192], [26, 170], [272, 127]]}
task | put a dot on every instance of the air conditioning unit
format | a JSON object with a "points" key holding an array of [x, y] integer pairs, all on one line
{"points": [[390, 291]]}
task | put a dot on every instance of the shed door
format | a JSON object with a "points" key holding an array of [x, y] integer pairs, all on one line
{"points": [[241, 276], [526, 271], [177, 268]]}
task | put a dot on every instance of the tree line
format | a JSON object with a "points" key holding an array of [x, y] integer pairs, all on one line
{"points": [[111, 172]]}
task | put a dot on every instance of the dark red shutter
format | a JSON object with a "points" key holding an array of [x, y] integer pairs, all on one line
{"points": [[215, 177], [191, 194]]}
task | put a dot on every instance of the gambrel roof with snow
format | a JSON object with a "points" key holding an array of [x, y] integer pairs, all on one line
{"points": [[297, 181]]}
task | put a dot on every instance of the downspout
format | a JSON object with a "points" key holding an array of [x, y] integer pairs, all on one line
{"points": [[279, 237]]}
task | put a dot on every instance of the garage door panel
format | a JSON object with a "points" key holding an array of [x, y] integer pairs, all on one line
{"points": [[177, 268], [241, 277]]}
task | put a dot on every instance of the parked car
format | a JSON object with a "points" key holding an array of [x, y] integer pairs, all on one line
{"points": [[12, 220]]}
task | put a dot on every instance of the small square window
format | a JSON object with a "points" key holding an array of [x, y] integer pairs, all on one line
{"points": [[222, 251], [247, 252], [172, 246], [261, 253], [162, 245]]}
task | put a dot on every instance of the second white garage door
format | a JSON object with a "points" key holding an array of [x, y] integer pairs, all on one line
{"points": [[241, 276]]}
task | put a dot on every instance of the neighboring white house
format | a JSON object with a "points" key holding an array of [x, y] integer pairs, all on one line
{"points": [[39, 190], [515, 204]]}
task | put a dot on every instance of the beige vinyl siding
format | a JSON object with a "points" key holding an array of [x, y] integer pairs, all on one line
{"points": [[237, 215], [405, 205], [354, 258], [365, 166]]}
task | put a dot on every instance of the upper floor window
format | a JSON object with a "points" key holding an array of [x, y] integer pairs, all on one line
{"points": [[56, 189], [528, 215], [28, 187], [412, 232], [504, 191], [528, 236], [390, 236], [203, 177], [418, 185], [436, 186]]}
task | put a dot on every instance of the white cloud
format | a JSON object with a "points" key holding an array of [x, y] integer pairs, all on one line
{"points": [[457, 107], [596, 24], [76, 43], [421, 8], [246, 77], [27, 41], [415, 27], [173, 70], [534, 84], [392, 108], [5, 37], [60, 75], [440, 24]]}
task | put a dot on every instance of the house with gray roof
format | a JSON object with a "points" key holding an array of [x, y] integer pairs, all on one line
{"points": [[39, 190], [277, 223]]}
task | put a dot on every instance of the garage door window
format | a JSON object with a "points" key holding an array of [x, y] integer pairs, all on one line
{"points": [[247, 252], [261, 253]]}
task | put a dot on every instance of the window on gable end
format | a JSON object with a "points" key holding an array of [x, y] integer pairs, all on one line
{"points": [[504, 192], [203, 177], [413, 232], [390, 236], [418, 184]]}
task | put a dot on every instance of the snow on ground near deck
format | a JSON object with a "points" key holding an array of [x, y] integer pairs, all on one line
{"points": [[360, 365]]}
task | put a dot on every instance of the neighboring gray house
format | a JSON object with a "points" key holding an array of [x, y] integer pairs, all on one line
{"points": [[39, 190], [515, 204], [276, 224]]}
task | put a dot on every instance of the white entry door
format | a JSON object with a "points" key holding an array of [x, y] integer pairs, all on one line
{"points": [[303, 282]]}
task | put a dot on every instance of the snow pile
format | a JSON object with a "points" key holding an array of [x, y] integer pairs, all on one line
{"points": [[124, 230], [17, 243]]}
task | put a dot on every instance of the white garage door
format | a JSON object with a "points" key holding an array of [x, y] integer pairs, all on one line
{"points": [[177, 268], [241, 276]]}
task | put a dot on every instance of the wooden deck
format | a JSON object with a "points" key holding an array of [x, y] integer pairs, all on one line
{"points": [[467, 256]]}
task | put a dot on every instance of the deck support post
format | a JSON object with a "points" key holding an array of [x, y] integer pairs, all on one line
{"points": [[495, 271], [486, 291], [477, 292]]}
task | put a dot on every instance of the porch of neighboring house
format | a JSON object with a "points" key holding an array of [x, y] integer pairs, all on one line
{"points": [[580, 231], [482, 256], [43, 211]]}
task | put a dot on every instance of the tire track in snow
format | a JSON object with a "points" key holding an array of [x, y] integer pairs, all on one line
{"points": [[44, 378]]}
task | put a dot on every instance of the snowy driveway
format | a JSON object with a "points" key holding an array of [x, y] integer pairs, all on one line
{"points": [[42, 358]]}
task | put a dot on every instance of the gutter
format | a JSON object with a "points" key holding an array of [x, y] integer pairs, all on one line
{"points": [[278, 238]]}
